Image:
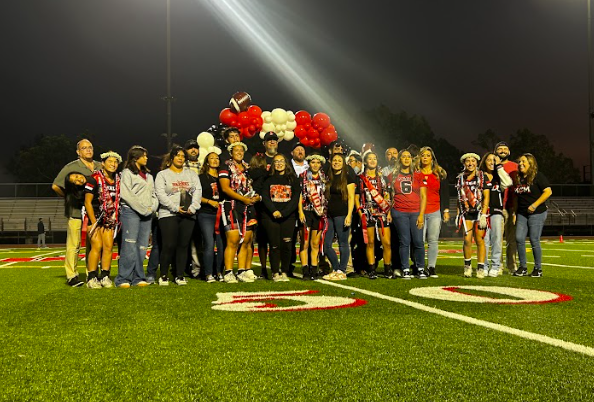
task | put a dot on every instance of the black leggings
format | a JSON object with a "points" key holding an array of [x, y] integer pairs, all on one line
{"points": [[176, 232], [280, 238]]}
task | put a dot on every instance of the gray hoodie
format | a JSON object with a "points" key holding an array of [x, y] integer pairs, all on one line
{"points": [[138, 193], [168, 187]]}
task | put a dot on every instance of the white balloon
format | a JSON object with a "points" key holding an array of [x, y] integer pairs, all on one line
{"points": [[262, 134], [290, 115], [267, 127], [205, 139], [283, 127], [291, 125], [266, 116], [279, 116], [289, 135]]}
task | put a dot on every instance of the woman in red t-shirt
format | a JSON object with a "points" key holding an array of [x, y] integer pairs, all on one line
{"points": [[408, 213], [433, 177]]}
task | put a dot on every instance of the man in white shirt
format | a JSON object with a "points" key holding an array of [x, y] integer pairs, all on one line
{"points": [[300, 165]]}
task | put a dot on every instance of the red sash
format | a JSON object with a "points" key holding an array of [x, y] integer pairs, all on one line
{"points": [[383, 205]]}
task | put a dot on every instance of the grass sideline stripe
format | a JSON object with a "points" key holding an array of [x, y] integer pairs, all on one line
{"points": [[574, 347], [565, 266]]}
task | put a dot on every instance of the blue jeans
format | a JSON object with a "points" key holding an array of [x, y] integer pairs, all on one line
{"points": [[494, 241], [336, 224], [135, 237], [408, 233], [207, 227], [153, 263], [532, 226], [431, 231]]}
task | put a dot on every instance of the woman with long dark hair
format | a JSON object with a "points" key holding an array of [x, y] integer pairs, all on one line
{"points": [[433, 177], [280, 196], [102, 203], [408, 214], [179, 193], [207, 217], [340, 193], [373, 206], [496, 180], [473, 206], [531, 189], [238, 214], [312, 208], [138, 203]]}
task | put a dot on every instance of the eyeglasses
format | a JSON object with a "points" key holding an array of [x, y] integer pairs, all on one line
{"points": [[86, 148]]}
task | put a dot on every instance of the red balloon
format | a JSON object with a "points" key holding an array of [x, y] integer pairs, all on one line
{"points": [[244, 119], [312, 133], [244, 132], [321, 119], [302, 117], [300, 132], [316, 143], [254, 111], [227, 116], [306, 141], [259, 123], [233, 123], [328, 135], [307, 126], [252, 129]]}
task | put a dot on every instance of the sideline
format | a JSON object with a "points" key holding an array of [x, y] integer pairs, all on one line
{"points": [[574, 347]]}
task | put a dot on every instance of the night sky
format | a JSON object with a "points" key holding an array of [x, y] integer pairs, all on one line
{"points": [[467, 66]]}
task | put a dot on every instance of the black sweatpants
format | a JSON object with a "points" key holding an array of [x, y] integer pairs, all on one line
{"points": [[176, 233]]}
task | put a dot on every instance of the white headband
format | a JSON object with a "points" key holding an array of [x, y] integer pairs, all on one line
{"points": [[111, 154], [316, 156], [469, 155], [241, 144]]}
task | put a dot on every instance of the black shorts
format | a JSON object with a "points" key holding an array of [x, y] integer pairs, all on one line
{"points": [[235, 215], [377, 220], [312, 220]]}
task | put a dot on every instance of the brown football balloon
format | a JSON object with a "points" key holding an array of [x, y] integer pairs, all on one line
{"points": [[240, 101]]}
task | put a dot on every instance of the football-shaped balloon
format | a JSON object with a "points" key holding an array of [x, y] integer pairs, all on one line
{"points": [[240, 101]]}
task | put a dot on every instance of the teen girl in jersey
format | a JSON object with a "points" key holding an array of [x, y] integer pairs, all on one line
{"points": [[373, 206], [408, 214], [433, 177], [238, 214], [312, 209], [280, 197], [208, 216], [473, 207], [532, 189], [102, 203], [340, 193], [496, 180]]}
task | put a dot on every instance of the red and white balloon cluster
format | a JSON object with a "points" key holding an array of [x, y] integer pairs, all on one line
{"points": [[314, 132], [243, 115]]}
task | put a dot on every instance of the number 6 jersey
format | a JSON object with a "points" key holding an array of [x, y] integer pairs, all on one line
{"points": [[406, 188]]}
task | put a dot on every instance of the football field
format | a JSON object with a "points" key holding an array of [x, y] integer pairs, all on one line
{"points": [[449, 338]]}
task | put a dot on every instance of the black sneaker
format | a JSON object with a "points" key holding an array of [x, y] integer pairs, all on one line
{"points": [[522, 271], [536, 273], [431, 272], [75, 282], [372, 275]]}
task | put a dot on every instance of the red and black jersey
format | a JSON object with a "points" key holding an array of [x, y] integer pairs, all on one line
{"points": [[406, 188]]}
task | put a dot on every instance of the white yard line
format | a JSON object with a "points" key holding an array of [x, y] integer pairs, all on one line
{"points": [[40, 256], [574, 347], [566, 266], [8, 264]]}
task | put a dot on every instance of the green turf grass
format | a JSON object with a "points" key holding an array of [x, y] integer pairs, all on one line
{"points": [[166, 343]]}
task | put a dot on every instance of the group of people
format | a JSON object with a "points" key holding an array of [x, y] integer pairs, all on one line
{"points": [[206, 212]]}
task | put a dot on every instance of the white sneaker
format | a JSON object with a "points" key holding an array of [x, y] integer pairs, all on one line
{"points": [[244, 277], [210, 279], [467, 271], [94, 284], [284, 277], [163, 281], [276, 277], [250, 274], [106, 282], [480, 273], [494, 273], [180, 281], [230, 277]]}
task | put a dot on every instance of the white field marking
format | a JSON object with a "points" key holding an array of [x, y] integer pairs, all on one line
{"points": [[46, 267], [565, 266], [551, 256], [589, 256], [8, 264], [574, 347], [40, 256], [564, 249]]}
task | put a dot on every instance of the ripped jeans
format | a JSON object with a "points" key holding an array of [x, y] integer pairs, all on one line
{"points": [[280, 240], [135, 238]]}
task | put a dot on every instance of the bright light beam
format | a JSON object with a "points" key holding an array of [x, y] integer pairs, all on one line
{"points": [[244, 20]]}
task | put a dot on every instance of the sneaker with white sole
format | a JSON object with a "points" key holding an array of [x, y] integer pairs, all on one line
{"points": [[210, 279], [284, 277], [421, 274], [180, 281], [406, 274], [480, 273], [106, 282], [230, 277], [245, 277], [276, 277], [94, 284], [75, 282], [143, 284], [494, 273], [431, 272], [250, 274], [522, 271], [163, 281], [150, 280], [467, 271]]}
